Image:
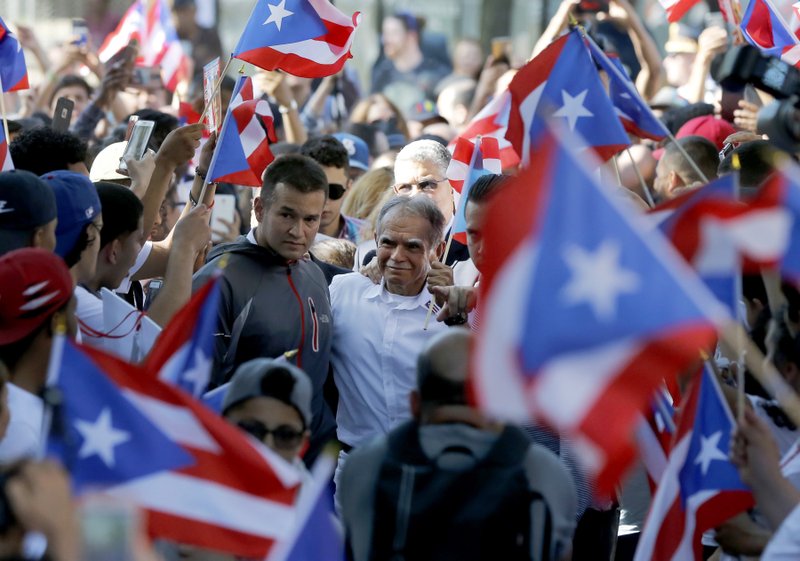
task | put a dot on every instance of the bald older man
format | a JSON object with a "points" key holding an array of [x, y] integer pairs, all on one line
{"points": [[452, 484]]}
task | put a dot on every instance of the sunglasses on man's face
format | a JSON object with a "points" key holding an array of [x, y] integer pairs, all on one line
{"points": [[284, 436], [335, 191]]}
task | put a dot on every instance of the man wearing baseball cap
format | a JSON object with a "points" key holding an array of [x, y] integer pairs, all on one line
{"points": [[37, 293], [79, 222], [27, 212], [357, 150], [271, 400]]}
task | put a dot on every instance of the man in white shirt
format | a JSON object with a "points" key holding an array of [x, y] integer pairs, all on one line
{"points": [[378, 330]]}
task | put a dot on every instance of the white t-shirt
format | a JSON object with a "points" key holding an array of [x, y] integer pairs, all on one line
{"points": [[90, 313], [125, 285], [785, 543], [24, 435]]}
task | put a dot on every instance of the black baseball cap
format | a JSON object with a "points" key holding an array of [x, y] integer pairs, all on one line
{"points": [[26, 203]]}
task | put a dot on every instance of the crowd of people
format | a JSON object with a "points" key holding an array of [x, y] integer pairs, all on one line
{"points": [[350, 238]]}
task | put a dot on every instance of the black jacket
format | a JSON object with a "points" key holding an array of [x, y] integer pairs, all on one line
{"points": [[268, 307]]}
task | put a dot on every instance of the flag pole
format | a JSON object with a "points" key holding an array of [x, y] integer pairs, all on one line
{"points": [[647, 194], [216, 88], [616, 169], [689, 159], [3, 112], [764, 371], [740, 397]]}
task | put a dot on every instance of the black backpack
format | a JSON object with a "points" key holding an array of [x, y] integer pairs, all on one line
{"points": [[423, 512]]}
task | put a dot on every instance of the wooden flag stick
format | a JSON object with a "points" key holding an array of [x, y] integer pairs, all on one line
{"points": [[619, 175], [3, 112], [763, 370], [739, 349]]}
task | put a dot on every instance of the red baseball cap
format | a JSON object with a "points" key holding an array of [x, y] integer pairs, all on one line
{"points": [[714, 129], [35, 284]]}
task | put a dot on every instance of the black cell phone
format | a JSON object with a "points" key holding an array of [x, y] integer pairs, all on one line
{"points": [[62, 117]]}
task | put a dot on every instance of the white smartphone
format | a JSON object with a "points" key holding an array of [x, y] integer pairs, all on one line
{"points": [[224, 209], [137, 145], [109, 530]]}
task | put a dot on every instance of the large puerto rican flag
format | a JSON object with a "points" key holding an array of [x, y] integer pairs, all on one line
{"points": [[202, 481], [562, 84], [308, 38], [764, 27], [570, 335]]}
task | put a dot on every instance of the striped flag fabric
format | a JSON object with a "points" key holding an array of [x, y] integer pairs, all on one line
{"points": [[5, 155], [307, 38], [201, 481], [150, 23], [566, 255], [13, 70], [482, 150], [458, 169], [700, 487], [183, 353], [765, 28], [492, 121], [676, 9], [242, 152]]}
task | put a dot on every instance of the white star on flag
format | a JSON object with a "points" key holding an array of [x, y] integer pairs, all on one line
{"points": [[709, 451], [573, 108], [597, 278], [197, 375], [100, 437], [277, 13]]}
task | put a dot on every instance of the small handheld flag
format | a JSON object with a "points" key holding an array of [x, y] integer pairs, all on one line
{"points": [[308, 38], [242, 152], [13, 71]]}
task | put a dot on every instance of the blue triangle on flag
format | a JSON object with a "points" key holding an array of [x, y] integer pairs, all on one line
{"points": [[99, 435]]}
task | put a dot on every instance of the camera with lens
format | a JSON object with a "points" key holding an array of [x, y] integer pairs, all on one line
{"points": [[779, 120]]}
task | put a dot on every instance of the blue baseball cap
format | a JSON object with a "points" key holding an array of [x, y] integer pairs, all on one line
{"points": [[357, 149], [77, 203]]}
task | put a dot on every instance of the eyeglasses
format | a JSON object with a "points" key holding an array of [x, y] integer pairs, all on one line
{"points": [[284, 436], [424, 186], [335, 191]]}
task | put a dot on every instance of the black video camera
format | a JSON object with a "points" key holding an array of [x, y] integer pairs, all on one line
{"points": [[779, 120]]}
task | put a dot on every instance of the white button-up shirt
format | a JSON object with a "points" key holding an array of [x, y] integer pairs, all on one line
{"points": [[377, 337]]}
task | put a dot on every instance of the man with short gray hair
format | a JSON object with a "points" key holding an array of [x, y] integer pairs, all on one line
{"points": [[378, 328]]}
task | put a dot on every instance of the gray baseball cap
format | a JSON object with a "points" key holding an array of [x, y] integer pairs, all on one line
{"points": [[276, 378]]}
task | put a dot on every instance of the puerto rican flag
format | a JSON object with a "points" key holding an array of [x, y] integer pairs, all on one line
{"points": [[308, 38], [676, 8], [458, 169], [182, 355], [700, 487], [492, 121], [13, 70], [765, 28], [483, 155], [763, 233], [566, 254], [723, 282], [5, 155], [635, 115], [242, 152], [201, 481], [562, 84], [150, 22]]}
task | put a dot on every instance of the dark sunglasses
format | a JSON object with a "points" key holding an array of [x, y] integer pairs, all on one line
{"points": [[335, 191], [284, 436]]}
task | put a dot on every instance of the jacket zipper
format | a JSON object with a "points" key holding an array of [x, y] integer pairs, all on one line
{"points": [[302, 318]]}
